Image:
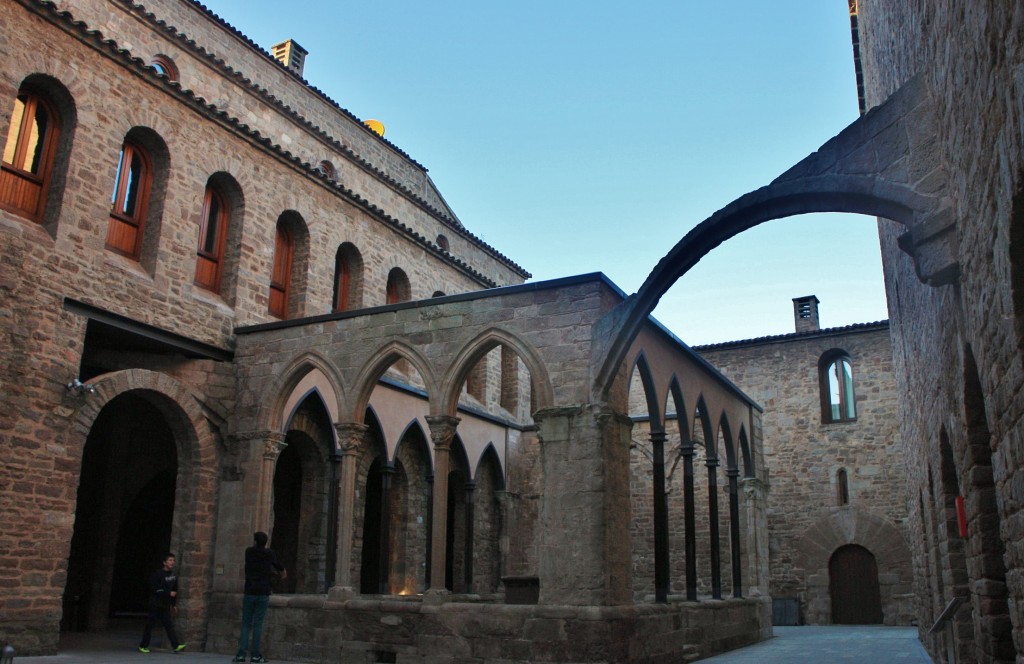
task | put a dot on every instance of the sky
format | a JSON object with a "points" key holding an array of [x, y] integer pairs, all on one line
{"points": [[581, 137]]}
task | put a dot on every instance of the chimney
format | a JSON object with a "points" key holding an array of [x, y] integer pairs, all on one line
{"points": [[290, 54], [805, 313]]}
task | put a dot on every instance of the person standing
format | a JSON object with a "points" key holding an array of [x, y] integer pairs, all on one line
{"points": [[260, 566], [163, 595]]}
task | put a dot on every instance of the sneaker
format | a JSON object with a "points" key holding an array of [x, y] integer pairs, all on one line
{"points": [[260, 659], [239, 658], [143, 649], [179, 647]]}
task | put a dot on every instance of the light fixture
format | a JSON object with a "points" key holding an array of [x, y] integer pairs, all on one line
{"points": [[77, 388]]}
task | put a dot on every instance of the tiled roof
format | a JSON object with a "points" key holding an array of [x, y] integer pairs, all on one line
{"points": [[792, 336]]}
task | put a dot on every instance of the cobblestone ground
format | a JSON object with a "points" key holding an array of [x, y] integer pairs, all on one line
{"points": [[821, 645]]}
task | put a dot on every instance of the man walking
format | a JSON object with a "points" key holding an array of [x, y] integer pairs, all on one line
{"points": [[163, 587], [260, 565]]}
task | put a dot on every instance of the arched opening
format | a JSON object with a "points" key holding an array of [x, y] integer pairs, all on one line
{"points": [[286, 298], [398, 288], [487, 524], [459, 531], [124, 513], [984, 525], [348, 278], [853, 587]]}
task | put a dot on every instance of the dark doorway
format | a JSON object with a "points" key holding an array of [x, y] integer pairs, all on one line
{"points": [[124, 512], [287, 514], [853, 583], [373, 567]]}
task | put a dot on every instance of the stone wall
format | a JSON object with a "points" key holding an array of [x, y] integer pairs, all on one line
{"points": [[804, 456], [957, 348]]}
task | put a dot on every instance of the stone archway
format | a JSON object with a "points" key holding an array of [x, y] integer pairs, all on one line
{"points": [[149, 465], [843, 527]]}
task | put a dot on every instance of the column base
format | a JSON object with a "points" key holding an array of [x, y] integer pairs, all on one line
{"points": [[341, 593], [437, 596]]}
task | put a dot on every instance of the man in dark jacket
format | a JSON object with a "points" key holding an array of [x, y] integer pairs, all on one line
{"points": [[260, 566], [163, 594]]}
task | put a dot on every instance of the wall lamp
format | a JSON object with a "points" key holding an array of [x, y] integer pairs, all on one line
{"points": [[77, 388]]}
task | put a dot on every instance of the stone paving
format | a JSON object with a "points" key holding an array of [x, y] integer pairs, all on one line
{"points": [[824, 645], [791, 645]]}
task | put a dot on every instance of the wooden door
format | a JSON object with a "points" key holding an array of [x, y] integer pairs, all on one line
{"points": [[853, 583]]}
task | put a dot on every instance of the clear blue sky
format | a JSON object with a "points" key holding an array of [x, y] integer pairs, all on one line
{"points": [[591, 136]]}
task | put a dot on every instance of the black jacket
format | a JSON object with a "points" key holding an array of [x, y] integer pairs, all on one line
{"points": [[260, 562], [161, 584]]}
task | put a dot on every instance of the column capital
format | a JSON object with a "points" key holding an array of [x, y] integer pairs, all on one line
{"points": [[273, 444], [351, 436], [442, 430]]}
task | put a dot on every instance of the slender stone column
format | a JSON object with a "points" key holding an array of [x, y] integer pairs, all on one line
{"points": [[734, 531], [273, 445], [468, 544], [387, 471], [716, 543], [662, 582], [689, 519], [351, 440], [442, 431]]}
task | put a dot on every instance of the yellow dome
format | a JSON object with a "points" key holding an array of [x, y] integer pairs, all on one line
{"points": [[376, 126]]}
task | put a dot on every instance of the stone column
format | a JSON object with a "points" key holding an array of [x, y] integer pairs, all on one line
{"points": [[662, 578], [716, 543], [351, 440], [468, 544], [755, 535], [442, 431], [689, 517], [273, 445], [734, 531], [584, 525]]}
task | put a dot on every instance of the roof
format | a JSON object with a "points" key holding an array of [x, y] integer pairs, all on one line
{"points": [[855, 328]]}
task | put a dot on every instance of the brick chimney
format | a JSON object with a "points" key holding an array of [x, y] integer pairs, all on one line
{"points": [[805, 313], [290, 54]]}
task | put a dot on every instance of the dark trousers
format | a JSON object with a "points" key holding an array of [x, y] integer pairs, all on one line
{"points": [[254, 609], [162, 615]]}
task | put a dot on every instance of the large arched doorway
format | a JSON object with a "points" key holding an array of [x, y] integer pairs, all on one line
{"points": [[124, 514], [853, 586]]}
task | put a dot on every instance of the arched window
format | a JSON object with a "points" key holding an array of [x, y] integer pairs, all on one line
{"points": [[130, 200], [348, 278], [836, 378], [164, 65], [842, 488], [213, 230], [28, 156], [442, 242], [398, 289], [327, 168], [280, 279]]}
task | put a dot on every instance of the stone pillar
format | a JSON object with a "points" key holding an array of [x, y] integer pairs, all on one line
{"points": [[689, 517], [716, 543], [351, 440], [733, 474], [442, 431], [273, 445], [468, 544], [755, 535], [584, 525], [662, 578]]}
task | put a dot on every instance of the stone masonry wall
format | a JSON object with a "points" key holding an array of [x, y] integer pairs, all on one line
{"points": [[957, 348], [803, 454]]}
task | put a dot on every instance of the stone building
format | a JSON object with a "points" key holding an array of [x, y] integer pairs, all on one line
{"points": [[839, 551], [230, 305]]}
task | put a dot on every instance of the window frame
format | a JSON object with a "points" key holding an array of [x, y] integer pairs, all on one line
{"points": [[205, 258], [828, 370], [13, 173], [281, 271], [136, 221]]}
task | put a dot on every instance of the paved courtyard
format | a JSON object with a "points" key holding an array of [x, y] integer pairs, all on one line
{"points": [[818, 645], [791, 645]]}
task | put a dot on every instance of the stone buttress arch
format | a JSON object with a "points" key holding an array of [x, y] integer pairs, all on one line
{"points": [[479, 346], [652, 397], [375, 366], [829, 180]]}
